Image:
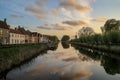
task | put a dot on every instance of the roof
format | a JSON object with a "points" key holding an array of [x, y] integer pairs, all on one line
{"points": [[4, 25], [14, 31], [34, 34], [28, 32], [22, 30]]}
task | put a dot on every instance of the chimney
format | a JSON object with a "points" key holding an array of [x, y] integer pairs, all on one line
{"points": [[15, 28], [19, 27], [5, 20]]}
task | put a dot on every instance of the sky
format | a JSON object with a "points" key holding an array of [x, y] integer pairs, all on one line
{"points": [[59, 17]]}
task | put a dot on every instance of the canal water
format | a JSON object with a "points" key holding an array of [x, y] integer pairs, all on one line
{"points": [[68, 63]]}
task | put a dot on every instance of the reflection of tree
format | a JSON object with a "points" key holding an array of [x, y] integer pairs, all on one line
{"points": [[111, 65], [88, 52], [55, 46], [65, 45]]}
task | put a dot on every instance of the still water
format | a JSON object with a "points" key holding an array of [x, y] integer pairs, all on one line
{"points": [[68, 63]]}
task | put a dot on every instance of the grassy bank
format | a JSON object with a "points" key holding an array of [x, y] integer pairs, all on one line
{"points": [[109, 41], [104, 48], [12, 56]]}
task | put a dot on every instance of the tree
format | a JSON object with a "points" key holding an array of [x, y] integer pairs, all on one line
{"points": [[86, 31], [53, 38], [65, 38], [110, 25]]}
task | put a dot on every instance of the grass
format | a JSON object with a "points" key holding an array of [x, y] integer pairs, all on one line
{"points": [[15, 55]]}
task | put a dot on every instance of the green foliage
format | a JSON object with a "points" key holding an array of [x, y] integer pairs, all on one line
{"points": [[112, 37], [111, 25], [65, 38], [54, 38]]}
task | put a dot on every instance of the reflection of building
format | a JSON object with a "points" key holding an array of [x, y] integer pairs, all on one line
{"points": [[16, 37], [4, 32]]}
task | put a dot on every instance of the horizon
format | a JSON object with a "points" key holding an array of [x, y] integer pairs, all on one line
{"points": [[63, 17]]}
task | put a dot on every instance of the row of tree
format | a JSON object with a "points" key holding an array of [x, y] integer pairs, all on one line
{"points": [[110, 34]]}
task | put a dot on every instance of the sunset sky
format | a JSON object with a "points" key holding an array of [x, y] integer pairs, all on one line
{"points": [[59, 17]]}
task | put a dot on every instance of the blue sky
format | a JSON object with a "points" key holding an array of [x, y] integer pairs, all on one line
{"points": [[59, 17]]}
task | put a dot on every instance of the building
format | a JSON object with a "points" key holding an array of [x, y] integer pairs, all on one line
{"points": [[16, 37], [39, 38], [4, 32], [34, 37], [29, 33], [19, 35], [26, 33], [45, 38]]}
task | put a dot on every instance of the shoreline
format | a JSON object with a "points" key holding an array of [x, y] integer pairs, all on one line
{"points": [[103, 48], [18, 56]]}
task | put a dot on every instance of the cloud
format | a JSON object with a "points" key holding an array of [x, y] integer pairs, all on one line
{"points": [[37, 12], [76, 23], [45, 26], [90, 0], [55, 26], [41, 3], [55, 12], [74, 5], [60, 27], [16, 16], [99, 20]]}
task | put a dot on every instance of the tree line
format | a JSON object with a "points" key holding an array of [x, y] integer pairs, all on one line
{"points": [[110, 34]]}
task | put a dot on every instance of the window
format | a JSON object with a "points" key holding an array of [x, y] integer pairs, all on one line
{"points": [[0, 31], [12, 41]]}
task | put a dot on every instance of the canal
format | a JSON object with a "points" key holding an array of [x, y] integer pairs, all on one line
{"points": [[68, 63]]}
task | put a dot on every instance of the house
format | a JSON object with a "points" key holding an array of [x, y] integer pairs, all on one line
{"points": [[16, 37], [45, 38], [34, 37], [4, 32], [29, 33], [26, 33], [39, 38]]}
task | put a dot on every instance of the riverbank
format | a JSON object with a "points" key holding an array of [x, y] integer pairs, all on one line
{"points": [[12, 56], [104, 48]]}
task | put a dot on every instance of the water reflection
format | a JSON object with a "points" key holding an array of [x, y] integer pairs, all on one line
{"points": [[67, 64], [110, 64], [65, 45]]}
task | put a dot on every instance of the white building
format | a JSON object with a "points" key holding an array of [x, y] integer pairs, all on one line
{"points": [[45, 38], [16, 37]]}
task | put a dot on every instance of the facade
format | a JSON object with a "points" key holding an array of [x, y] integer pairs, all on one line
{"points": [[45, 38], [19, 35], [29, 37], [16, 37], [34, 37], [4, 32], [23, 31], [39, 38]]}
